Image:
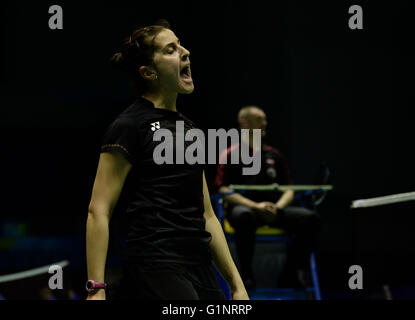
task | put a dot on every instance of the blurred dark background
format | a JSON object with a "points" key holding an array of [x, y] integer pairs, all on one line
{"points": [[332, 95]]}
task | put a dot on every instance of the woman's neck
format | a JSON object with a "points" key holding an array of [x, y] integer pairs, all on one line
{"points": [[161, 100]]}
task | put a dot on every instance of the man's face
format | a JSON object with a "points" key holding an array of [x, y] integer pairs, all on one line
{"points": [[172, 63], [257, 120]]}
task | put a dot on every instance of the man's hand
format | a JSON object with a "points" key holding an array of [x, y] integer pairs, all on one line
{"points": [[97, 295], [266, 211]]}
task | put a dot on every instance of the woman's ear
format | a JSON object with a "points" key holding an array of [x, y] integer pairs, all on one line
{"points": [[147, 73]]}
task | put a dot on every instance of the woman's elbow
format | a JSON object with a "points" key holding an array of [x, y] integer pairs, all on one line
{"points": [[95, 211]]}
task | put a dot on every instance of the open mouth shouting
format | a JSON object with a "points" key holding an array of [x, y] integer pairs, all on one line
{"points": [[186, 74]]}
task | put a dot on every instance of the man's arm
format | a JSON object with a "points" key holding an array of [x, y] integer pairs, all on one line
{"points": [[284, 172], [237, 199], [111, 174], [286, 198], [220, 250], [224, 176], [265, 209]]}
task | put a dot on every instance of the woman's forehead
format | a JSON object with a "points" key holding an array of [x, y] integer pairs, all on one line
{"points": [[165, 37]]}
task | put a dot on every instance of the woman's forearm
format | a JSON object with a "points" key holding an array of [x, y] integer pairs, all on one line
{"points": [[97, 234], [221, 254]]}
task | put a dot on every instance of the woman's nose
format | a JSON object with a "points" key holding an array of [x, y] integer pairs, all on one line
{"points": [[186, 54]]}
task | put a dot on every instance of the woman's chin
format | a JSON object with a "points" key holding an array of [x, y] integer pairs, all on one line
{"points": [[187, 89]]}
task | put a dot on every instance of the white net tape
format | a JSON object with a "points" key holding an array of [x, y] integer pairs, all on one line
{"points": [[400, 197], [31, 272], [276, 186]]}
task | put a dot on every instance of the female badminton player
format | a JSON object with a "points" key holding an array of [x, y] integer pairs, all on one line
{"points": [[173, 233]]}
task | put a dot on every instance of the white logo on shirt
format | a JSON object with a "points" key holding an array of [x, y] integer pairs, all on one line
{"points": [[155, 126], [271, 162]]}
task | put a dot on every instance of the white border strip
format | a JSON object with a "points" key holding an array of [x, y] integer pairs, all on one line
{"points": [[400, 197], [32, 272]]}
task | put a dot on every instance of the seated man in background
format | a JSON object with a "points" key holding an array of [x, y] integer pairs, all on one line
{"points": [[247, 212]]}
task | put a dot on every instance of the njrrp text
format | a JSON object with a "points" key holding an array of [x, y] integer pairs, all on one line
{"points": [[228, 309]]}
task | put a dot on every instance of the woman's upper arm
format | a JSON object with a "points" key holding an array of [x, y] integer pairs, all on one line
{"points": [[112, 171]]}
